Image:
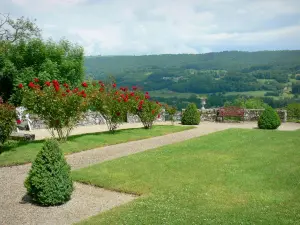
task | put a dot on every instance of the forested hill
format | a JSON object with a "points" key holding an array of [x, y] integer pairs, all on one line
{"points": [[201, 73]]}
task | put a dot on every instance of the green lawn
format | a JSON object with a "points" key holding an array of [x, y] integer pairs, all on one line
{"points": [[237, 176], [24, 152]]}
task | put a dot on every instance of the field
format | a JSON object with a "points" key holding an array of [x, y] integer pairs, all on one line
{"points": [[235, 176]]}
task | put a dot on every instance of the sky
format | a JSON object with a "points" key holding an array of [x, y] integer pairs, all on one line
{"points": [[143, 27]]}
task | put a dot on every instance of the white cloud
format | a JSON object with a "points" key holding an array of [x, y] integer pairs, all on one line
{"points": [[168, 26]]}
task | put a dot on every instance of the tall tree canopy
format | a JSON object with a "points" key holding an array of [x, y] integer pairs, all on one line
{"points": [[24, 56]]}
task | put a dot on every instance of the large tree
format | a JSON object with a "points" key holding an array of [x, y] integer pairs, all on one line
{"points": [[19, 29], [24, 56]]}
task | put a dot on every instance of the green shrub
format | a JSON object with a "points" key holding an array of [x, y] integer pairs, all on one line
{"points": [[7, 121], [269, 119], [191, 115], [49, 181], [293, 111]]}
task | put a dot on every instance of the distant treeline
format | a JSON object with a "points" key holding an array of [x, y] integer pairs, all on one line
{"points": [[271, 71]]}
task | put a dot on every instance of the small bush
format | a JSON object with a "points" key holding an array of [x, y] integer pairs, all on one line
{"points": [[191, 115], [7, 121], [293, 111], [49, 182], [269, 119]]}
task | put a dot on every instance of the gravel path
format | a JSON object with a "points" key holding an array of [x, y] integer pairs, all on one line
{"points": [[88, 200]]}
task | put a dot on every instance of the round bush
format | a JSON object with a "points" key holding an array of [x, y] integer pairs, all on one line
{"points": [[191, 115], [49, 181], [269, 119]]}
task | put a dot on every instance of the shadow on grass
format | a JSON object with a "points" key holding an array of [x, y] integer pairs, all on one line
{"points": [[12, 144]]}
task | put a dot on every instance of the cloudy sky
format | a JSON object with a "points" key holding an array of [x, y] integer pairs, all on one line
{"points": [[127, 27]]}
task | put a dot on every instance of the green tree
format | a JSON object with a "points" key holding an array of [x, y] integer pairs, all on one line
{"points": [[35, 58], [19, 29]]}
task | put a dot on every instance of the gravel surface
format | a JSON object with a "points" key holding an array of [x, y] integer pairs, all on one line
{"points": [[88, 200]]}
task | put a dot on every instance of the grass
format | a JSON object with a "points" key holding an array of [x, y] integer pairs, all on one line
{"points": [[237, 176], [248, 93], [170, 94], [15, 153]]}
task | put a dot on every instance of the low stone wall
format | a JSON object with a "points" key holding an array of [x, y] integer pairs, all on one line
{"points": [[90, 118], [250, 114], [253, 114]]}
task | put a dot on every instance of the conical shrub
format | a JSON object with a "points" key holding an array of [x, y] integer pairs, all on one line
{"points": [[269, 119], [191, 115], [49, 181]]}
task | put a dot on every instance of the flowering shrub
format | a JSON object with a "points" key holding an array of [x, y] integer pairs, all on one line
{"points": [[110, 102], [171, 111], [146, 109], [59, 106], [7, 121]]}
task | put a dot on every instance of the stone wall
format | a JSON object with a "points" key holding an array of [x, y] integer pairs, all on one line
{"points": [[250, 114], [91, 118]]}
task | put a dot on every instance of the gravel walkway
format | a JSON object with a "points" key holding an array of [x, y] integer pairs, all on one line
{"points": [[87, 200]]}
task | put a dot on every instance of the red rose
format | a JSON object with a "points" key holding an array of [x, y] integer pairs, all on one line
{"points": [[19, 121], [134, 88], [118, 113], [75, 90], [68, 90], [84, 84], [147, 96], [158, 116], [47, 83], [20, 86], [66, 85], [31, 85], [36, 80], [101, 89], [64, 94], [114, 85], [56, 88], [132, 94]]}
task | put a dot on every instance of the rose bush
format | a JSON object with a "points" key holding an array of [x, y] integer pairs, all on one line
{"points": [[110, 102], [147, 110], [57, 104], [171, 110], [7, 121]]}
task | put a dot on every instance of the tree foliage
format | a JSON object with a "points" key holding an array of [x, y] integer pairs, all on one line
{"points": [[24, 56], [203, 73], [16, 30]]}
